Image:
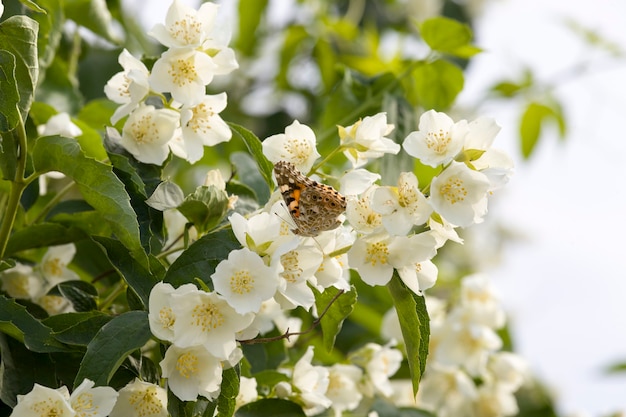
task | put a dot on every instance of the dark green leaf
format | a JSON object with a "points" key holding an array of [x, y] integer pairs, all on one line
{"points": [[271, 407], [98, 185], [205, 208], [255, 148], [51, 19], [81, 294], [228, 392], [201, 258], [21, 325], [21, 368], [111, 345], [415, 326], [335, 313], [76, 328], [248, 172], [139, 279], [293, 37], [9, 97], [437, 84], [42, 235], [18, 35]]}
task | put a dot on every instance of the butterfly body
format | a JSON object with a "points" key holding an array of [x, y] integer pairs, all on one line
{"points": [[314, 207]]}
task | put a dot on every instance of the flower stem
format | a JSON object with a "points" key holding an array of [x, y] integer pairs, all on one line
{"points": [[17, 186]]}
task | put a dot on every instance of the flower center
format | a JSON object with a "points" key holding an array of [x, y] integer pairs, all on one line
{"points": [[143, 129], [183, 71], [292, 270], [53, 268], [207, 316], [167, 317], [241, 282], [49, 408], [377, 253], [187, 30], [200, 120], [146, 402], [453, 190], [187, 364], [438, 141], [298, 150], [84, 405]]}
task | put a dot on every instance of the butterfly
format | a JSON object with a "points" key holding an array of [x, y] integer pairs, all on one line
{"points": [[314, 207]]}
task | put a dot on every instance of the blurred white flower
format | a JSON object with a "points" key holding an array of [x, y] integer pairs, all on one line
{"points": [[59, 124]]}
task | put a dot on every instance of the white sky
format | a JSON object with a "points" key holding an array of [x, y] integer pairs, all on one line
{"points": [[565, 287]]}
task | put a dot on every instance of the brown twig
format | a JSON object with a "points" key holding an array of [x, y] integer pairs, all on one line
{"points": [[287, 334]]}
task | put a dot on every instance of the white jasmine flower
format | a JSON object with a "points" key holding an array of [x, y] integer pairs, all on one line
{"points": [[419, 276], [147, 132], [184, 26], [480, 303], [160, 314], [245, 281], [59, 124], [374, 257], [202, 126], [128, 87], [192, 371], [21, 282], [299, 266], [401, 207], [312, 383], [443, 232], [495, 401], [447, 391], [44, 401], [380, 363], [467, 345], [247, 391], [141, 399], [53, 265], [459, 195], [184, 73], [334, 270], [366, 139], [261, 233], [343, 389], [297, 145], [90, 401], [54, 304], [357, 181], [507, 370], [207, 319], [360, 214], [438, 139], [497, 165]]}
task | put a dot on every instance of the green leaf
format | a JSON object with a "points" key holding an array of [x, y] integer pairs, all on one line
{"points": [[49, 14], [293, 37], [531, 125], [250, 13], [448, 36], [76, 328], [205, 208], [167, 195], [21, 325], [437, 84], [139, 278], [42, 235], [248, 172], [414, 323], [81, 294], [228, 392], [21, 368], [98, 185], [112, 344], [271, 407], [18, 35], [255, 148], [201, 258], [9, 96], [335, 313], [92, 14]]}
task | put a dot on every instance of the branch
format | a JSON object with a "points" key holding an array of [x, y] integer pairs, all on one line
{"points": [[288, 334]]}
